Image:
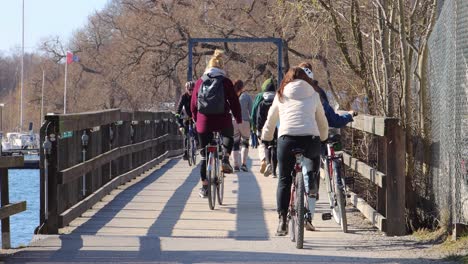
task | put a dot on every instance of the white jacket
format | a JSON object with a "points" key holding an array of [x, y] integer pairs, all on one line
{"points": [[300, 113]]}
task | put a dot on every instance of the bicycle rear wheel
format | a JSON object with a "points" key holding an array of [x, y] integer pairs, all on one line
{"points": [[220, 187], [188, 149], [340, 197], [300, 210], [330, 193], [211, 177]]}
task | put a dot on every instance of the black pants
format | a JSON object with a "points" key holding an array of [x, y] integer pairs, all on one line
{"points": [[205, 138], [286, 160]]}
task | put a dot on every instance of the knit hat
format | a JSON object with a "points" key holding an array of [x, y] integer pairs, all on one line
{"points": [[216, 60], [269, 85]]}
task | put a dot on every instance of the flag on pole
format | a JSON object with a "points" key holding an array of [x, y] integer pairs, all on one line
{"points": [[71, 58]]}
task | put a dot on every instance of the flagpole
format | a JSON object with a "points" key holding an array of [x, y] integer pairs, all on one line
{"points": [[65, 88], [42, 96], [22, 74]]}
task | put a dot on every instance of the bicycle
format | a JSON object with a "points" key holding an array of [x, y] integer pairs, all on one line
{"points": [[336, 182], [191, 146], [298, 211], [214, 172]]}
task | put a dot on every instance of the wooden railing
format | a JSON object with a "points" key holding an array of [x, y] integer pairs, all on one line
{"points": [[388, 175], [84, 156], [8, 209]]}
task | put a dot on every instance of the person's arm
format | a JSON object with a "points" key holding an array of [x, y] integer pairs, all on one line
{"points": [[335, 120], [249, 108], [321, 120], [180, 105], [253, 114], [270, 125], [193, 101], [233, 100]]}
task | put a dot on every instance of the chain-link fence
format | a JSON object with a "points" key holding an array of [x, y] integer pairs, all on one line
{"points": [[448, 94]]}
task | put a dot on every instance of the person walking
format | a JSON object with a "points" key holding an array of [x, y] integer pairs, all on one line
{"points": [[242, 130]]}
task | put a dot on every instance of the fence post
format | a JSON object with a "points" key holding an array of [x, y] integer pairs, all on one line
{"points": [[5, 201], [395, 177], [52, 174]]}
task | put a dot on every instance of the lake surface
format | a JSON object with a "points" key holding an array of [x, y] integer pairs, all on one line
{"points": [[24, 186]]}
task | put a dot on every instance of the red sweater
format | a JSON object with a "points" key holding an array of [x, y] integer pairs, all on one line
{"points": [[210, 123]]}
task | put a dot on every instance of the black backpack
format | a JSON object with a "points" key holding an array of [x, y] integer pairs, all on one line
{"points": [[262, 113], [210, 99]]}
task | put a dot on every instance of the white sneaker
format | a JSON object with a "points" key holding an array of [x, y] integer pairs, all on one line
{"points": [[263, 166], [268, 170]]}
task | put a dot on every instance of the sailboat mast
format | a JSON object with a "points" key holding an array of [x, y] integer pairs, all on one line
{"points": [[22, 74]]}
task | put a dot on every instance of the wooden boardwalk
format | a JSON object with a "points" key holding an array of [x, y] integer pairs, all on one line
{"points": [[159, 218]]}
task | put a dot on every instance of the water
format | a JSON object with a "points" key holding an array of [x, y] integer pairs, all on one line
{"points": [[24, 186]]}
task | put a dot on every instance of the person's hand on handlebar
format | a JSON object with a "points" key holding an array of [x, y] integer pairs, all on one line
{"points": [[353, 113]]}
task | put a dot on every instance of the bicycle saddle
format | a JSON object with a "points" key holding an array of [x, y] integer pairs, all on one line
{"points": [[297, 151]]}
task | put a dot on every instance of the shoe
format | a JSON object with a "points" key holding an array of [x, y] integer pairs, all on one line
{"points": [[274, 175], [263, 166], [227, 168], [268, 171], [244, 168], [236, 168], [309, 226], [282, 225], [203, 193]]}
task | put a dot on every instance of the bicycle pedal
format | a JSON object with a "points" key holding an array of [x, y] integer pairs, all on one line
{"points": [[326, 216], [349, 180]]}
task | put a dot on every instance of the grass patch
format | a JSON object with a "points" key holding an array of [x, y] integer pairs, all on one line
{"points": [[456, 250], [457, 258], [430, 236]]}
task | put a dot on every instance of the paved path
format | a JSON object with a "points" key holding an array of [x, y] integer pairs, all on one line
{"points": [[159, 217]]}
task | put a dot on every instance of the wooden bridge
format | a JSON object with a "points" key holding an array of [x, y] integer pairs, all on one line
{"points": [[114, 189]]}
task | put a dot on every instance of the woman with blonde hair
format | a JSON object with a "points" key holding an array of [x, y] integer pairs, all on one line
{"points": [[303, 124], [213, 115]]}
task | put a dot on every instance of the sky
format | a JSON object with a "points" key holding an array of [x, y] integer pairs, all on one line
{"points": [[42, 19]]}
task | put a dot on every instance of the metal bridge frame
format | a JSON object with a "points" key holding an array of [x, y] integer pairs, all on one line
{"points": [[277, 41]]}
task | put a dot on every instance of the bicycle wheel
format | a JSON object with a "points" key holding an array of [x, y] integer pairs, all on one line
{"points": [[210, 175], [330, 193], [220, 187], [340, 196], [214, 183], [193, 155], [188, 149], [300, 210]]}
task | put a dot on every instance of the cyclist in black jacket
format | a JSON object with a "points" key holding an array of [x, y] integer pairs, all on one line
{"points": [[184, 103]]}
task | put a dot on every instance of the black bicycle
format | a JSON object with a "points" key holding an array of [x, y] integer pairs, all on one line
{"points": [[191, 146], [298, 211]]}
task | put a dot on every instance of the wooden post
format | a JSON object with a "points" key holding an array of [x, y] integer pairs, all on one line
{"points": [[6, 243], [52, 218], [395, 178]]}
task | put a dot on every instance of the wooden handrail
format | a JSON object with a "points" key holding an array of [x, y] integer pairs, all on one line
{"points": [[391, 180], [120, 145]]}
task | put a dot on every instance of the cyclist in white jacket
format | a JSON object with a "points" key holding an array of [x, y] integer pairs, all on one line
{"points": [[302, 125]]}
